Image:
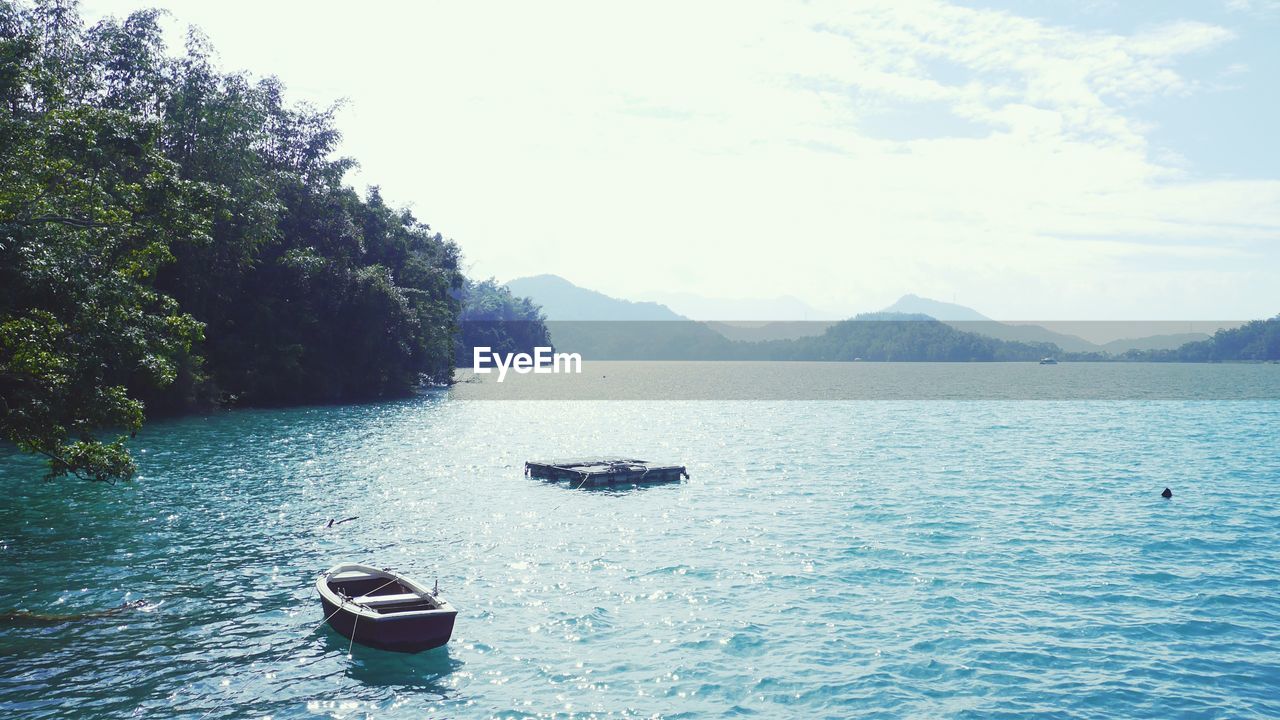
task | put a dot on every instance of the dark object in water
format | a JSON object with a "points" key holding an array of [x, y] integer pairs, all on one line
{"points": [[384, 610], [333, 522], [1166, 494], [604, 471], [22, 617]]}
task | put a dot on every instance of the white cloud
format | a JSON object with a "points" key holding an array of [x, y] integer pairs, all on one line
{"points": [[841, 152], [1252, 6]]}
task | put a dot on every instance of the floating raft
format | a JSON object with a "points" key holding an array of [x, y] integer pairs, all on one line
{"points": [[605, 471]]}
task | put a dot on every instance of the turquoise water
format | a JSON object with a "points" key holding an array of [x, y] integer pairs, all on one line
{"points": [[839, 559]]}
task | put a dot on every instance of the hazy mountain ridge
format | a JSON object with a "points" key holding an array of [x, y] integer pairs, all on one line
{"points": [[783, 309], [910, 304], [563, 300], [970, 320], [579, 321]]}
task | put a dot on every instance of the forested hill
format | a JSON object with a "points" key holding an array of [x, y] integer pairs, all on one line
{"points": [[903, 337], [872, 336], [494, 317], [1255, 341], [173, 236], [887, 337]]}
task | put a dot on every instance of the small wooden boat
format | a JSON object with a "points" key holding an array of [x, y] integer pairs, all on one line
{"points": [[605, 471], [383, 609]]}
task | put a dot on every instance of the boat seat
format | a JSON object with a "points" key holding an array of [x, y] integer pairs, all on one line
{"points": [[349, 575], [386, 599]]}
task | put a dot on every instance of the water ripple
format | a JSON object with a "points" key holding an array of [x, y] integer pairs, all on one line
{"points": [[921, 559]]}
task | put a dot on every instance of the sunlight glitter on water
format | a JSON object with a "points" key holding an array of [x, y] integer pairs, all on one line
{"points": [[827, 559]]}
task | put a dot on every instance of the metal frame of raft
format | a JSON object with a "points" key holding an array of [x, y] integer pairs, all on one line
{"points": [[605, 471]]}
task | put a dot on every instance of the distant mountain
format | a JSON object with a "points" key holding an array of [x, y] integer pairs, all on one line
{"points": [[1028, 334], [873, 336], [786, 308], [753, 319], [901, 337], [970, 320], [1254, 341], [562, 300], [936, 309], [761, 331], [906, 331]]}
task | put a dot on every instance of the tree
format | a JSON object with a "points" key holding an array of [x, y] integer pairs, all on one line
{"points": [[176, 237], [493, 317], [88, 210]]}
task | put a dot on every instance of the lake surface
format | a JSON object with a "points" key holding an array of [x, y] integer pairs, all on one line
{"points": [[685, 380], [912, 558]]}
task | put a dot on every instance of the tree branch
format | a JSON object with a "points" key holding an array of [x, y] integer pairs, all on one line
{"points": [[73, 222], [68, 468]]}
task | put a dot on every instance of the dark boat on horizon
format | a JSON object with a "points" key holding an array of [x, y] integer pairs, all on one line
{"points": [[383, 609]]}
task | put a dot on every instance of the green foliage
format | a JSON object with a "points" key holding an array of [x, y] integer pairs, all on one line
{"points": [[876, 336], [896, 337], [173, 237], [1255, 341], [495, 318], [88, 209]]}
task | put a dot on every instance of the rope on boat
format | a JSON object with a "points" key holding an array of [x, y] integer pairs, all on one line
{"points": [[320, 624], [353, 635], [356, 622], [337, 610]]}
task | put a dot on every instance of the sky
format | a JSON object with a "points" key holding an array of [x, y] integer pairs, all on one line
{"points": [[1036, 161]]}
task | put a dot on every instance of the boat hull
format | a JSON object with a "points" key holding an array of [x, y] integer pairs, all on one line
{"points": [[408, 634], [384, 609]]}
